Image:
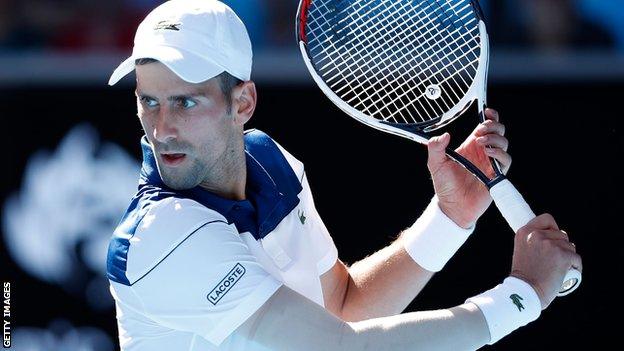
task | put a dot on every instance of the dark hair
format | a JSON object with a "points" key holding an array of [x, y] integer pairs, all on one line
{"points": [[227, 82]]}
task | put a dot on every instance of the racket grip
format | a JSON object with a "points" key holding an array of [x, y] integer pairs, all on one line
{"points": [[517, 213], [511, 205]]}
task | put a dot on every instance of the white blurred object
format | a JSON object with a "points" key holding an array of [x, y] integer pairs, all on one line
{"points": [[58, 225]]}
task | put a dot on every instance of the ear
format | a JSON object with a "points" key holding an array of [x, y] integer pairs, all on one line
{"points": [[244, 99]]}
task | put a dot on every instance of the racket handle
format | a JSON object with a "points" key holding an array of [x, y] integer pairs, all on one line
{"points": [[511, 205], [518, 213]]}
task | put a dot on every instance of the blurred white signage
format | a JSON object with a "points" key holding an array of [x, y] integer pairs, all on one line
{"points": [[58, 225]]}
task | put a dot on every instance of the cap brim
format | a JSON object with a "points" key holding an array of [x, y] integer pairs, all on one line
{"points": [[121, 71], [188, 66]]}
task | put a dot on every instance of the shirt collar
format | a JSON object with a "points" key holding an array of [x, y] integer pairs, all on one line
{"points": [[258, 214]]}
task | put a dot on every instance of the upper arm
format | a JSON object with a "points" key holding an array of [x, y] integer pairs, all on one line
{"points": [[335, 283]]}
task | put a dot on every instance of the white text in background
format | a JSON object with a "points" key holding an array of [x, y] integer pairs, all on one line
{"points": [[6, 314]]}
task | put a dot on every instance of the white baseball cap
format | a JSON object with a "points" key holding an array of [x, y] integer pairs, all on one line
{"points": [[196, 39]]}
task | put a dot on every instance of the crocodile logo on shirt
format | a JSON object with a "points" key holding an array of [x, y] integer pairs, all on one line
{"points": [[515, 298], [302, 216]]}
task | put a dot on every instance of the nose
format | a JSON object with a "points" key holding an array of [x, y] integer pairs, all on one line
{"points": [[164, 128]]}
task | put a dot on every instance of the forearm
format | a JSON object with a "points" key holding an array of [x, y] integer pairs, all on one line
{"points": [[386, 282], [383, 284], [290, 322], [458, 328]]}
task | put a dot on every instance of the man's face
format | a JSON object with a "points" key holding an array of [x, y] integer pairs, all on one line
{"points": [[188, 125]]}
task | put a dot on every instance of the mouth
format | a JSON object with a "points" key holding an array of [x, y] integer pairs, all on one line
{"points": [[173, 159]]}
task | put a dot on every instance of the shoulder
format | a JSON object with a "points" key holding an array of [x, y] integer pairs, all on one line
{"points": [[268, 152], [152, 229], [175, 214], [164, 228]]}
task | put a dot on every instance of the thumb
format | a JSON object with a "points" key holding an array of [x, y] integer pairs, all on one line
{"points": [[436, 148]]}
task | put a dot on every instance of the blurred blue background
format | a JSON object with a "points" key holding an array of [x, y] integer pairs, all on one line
{"points": [[547, 39], [71, 155], [81, 25]]}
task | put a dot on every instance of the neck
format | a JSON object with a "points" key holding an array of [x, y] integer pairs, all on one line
{"points": [[230, 180]]}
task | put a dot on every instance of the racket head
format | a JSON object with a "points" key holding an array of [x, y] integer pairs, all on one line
{"points": [[376, 61]]}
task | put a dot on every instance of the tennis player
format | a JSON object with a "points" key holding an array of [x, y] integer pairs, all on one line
{"points": [[222, 248]]}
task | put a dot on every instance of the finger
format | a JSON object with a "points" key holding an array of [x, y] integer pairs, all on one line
{"points": [[492, 114], [490, 127], [436, 148], [576, 261], [566, 245], [544, 221], [494, 140], [501, 156], [556, 235]]}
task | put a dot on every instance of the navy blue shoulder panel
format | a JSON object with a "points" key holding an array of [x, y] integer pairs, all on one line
{"points": [[116, 261], [264, 150]]}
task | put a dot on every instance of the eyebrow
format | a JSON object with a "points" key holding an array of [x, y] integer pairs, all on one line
{"points": [[190, 94]]}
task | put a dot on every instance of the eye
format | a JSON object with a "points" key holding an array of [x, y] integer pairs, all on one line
{"points": [[185, 103], [148, 101]]}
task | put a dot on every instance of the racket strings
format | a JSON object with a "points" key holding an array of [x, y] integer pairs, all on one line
{"points": [[403, 17], [358, 78], [402, 96], [395, 106], [451, 44], [446, 78], [318, 28], [380, 56], [396, 71], [367, 46], [345, 64], [427, 70], [363, 73]]}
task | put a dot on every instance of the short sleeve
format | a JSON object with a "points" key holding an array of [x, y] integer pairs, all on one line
{"points": [[209, 284], [326, 251], [323, 244]]}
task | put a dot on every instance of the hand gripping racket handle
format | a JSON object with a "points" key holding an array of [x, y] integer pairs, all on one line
{"points": [[518, 213]]}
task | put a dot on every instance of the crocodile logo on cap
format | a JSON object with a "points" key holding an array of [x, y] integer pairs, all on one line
{"points": [[167, 25]]}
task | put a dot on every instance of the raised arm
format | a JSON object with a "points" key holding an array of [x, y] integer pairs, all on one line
{"points": [[384, 283]]}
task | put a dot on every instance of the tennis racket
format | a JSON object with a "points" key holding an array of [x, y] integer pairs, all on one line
{"points": [[408, 67]]}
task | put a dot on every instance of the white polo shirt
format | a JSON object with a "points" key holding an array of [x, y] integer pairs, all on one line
{"points": [[186, 268]]}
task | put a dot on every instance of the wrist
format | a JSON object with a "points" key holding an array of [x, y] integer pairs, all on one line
{"points": [[457, 218], [538, 291], [507, 307], [434, 238]]}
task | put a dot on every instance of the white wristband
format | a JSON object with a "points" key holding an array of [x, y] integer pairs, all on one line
{"points": [[434, 238], [507, 307]]}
